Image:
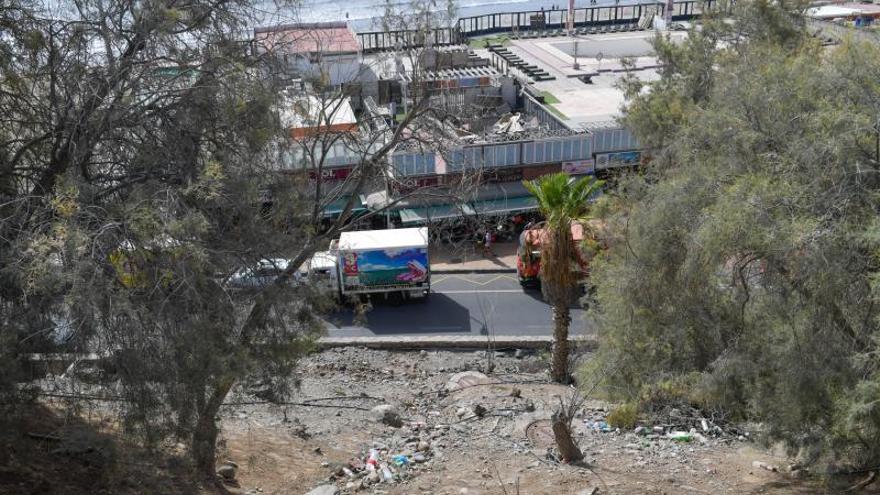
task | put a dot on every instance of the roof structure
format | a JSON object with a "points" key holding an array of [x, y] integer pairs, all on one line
{"points": [[390, 239], [327, 38], [307, 114], [832, 11]]}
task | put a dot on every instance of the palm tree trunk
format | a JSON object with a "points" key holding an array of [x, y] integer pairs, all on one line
{"points": [[561, 321]]}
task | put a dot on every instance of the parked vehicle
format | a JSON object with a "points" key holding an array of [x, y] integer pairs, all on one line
{"points": [[531, 242], [391, 263], [258, 276], [320, 270]]}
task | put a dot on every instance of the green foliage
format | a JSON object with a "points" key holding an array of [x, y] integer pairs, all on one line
{"points": [[744, 273], [624, 416], [561, 201], [131, 186]]}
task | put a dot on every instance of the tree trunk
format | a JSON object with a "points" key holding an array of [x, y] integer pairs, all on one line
{"points": [[204, 449], [561, 321], [562, 433], [204, 445]]}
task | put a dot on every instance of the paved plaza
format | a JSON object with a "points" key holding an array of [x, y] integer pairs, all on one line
{"points": [[599, 56]]}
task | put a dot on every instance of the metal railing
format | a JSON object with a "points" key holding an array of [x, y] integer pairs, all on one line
{"points": [[840, 32], [502, 22]]}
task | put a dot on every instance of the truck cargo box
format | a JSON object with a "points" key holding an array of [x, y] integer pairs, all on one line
{"points": [[383, 260]]}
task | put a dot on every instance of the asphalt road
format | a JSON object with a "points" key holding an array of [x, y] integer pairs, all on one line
{"points": [[460, 305]]}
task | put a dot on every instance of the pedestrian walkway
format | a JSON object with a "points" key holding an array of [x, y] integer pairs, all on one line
{"points": [[446, 259]]}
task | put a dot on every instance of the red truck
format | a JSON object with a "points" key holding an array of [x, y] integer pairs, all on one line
{"points": [[528, 260]]}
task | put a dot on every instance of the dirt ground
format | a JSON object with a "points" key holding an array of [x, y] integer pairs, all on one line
{"points": [[505, 448], [434, 422]]}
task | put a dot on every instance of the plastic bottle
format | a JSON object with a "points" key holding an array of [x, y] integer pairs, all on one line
{"points": [[386, 473]]}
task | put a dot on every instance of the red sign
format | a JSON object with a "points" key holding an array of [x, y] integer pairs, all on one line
{"points": [[331, 173], [350, 264], [406, 184]]}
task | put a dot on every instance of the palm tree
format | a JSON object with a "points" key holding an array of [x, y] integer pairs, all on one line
{"points": [[561, 200]]}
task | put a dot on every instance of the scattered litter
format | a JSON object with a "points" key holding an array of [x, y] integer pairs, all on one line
{"points": [[386, 474], [764, 465], [373, 460], [600, 426], [680, 436]]}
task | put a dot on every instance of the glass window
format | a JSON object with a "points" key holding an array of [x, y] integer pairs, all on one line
{"points": [[567, 152], [455, 159], [586, 147], [633, 142], [557, 151], [489, 155], [472, 158], [599, 141], [528, 152], [512, 154]]}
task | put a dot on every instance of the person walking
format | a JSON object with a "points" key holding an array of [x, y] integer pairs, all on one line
{"points": [[487, 244]]}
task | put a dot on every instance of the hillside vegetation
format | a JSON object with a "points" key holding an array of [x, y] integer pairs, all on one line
{"points": [[744, 278]]}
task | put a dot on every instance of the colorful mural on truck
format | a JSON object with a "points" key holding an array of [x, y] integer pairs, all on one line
{"points": [[385, 267]]}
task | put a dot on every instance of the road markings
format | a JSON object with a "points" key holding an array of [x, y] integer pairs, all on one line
{"points": [[476, 291], [475, 282]]}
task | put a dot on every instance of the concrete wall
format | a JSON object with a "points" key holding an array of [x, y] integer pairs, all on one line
{"points": [[339, 69]]}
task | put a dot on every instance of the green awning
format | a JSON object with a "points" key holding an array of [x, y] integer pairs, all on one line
{"points": [[505, 205], [425, 214], [335, 208]]}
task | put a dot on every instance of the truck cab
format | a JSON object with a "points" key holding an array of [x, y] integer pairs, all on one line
{"points": [[320, 270], [531, 242]]}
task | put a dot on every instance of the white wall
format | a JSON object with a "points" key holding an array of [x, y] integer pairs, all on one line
{"points": [[339, 68]]}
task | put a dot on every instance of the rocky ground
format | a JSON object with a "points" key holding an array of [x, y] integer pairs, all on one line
{"points": [[440, 422]]}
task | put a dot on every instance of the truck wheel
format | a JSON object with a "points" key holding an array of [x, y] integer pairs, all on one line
{"points": [[395, 298]]}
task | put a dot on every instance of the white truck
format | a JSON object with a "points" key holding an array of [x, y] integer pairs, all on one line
{"points": [[392, 263]]}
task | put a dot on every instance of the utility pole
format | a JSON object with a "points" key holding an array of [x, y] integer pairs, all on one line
{"points": [[570, 17], [667, 14]]}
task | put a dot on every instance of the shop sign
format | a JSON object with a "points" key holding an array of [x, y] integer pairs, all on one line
{"points": [[503, 175], [406, 184], [578, 168], [621, 159], [331, 174]]}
